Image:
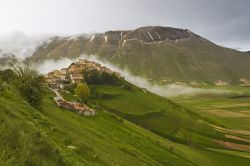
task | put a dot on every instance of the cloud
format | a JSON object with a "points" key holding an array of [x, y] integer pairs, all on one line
{"points": [[169, 90], [20, 44], [50, 65]]}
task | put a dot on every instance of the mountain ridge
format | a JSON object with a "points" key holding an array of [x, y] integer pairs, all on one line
{"points": [[161, 54]]}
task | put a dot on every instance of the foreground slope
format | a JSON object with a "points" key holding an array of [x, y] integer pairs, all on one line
{"points": [[53, 136], [155, 113], [161, 116], [161, 54]]}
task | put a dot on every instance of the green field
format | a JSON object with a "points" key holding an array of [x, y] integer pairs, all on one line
{"points": [[230, 110]]}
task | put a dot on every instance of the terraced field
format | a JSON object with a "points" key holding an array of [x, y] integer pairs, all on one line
{"points": [[230, 111]]}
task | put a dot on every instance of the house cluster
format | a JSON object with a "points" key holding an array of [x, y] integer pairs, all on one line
{"points": [[80, 109], [74, 73]]}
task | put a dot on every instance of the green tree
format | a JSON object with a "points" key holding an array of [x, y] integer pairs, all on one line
{"points": [[82, 91], [96, 77]]}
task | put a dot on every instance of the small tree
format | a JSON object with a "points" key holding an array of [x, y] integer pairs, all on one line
{"points": [[82, 91]]}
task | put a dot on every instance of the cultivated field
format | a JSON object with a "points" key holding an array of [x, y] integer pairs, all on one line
{"points": [[228, 112]]}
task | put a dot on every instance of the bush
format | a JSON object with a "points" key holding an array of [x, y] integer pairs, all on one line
{"points": [[3, 85], [7, 75], [29, 84]]}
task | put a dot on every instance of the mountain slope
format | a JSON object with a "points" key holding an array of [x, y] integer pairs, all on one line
{"points": [[154, 113], [162, 54], [157, 115], [55, 136]]}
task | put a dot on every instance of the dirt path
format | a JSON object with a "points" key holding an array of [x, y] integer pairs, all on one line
{"points": [[57, 93]]}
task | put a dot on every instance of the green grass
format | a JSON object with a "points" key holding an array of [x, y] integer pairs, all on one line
{"points": [[222, 102], [137, 101], [22, 140], [68, 96], [159, 115], [46, 137]]}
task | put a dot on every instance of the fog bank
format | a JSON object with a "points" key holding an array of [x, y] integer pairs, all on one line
{"points": [[169, 90], [20, 44]]}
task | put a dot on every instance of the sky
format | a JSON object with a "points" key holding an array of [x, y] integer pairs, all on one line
{"points": [[225, 22]]}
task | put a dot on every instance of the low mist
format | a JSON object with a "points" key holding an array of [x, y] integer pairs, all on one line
{"points": [[49, 65], [20, 44], [169, 90]]}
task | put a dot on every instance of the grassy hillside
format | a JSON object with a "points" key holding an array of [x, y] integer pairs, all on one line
{"points": [[158, 115], [53, 136]]}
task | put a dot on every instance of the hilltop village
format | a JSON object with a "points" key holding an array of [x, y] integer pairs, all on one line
{"points": [[73, 75]]}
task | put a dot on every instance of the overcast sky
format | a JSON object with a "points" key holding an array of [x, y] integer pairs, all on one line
{"points": [[226, 22]]}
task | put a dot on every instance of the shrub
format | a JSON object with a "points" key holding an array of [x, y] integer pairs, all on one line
{"points": [[29, 84], [7, 75], [3, 85]]}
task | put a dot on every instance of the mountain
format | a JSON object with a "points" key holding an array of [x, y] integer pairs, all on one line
{"points": [[160, 54]]}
